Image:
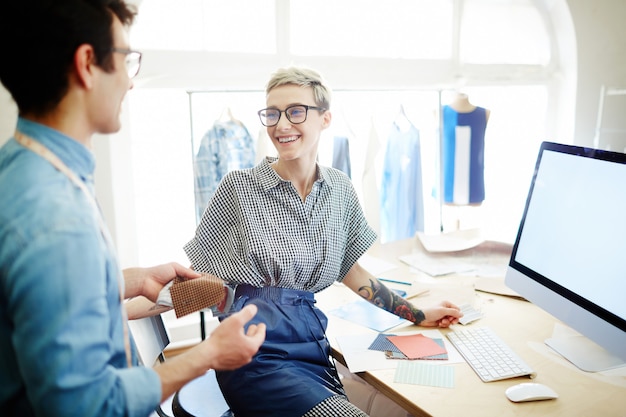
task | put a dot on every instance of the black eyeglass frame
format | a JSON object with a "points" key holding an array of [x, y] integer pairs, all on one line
{"points": [[127, 52], [280, 113]]}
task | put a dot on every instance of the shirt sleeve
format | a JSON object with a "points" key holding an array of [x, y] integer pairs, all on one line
{"points": [[68, 327], [221, 236], [218, 221]]}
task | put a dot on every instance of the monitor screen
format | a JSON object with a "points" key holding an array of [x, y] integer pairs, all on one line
{"points": [[569, 257]]}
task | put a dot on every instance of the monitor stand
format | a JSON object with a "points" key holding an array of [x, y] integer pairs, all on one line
{"points": [[584, 353]]}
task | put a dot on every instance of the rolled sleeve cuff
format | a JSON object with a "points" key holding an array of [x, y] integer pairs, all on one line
{"points": [[356, 250], [142, 387]]}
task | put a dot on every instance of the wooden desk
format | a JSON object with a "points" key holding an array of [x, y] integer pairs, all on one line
{"points": [[519, 323]]}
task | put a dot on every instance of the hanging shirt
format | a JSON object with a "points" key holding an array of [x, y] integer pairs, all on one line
{"points": [[225, 147], [341, 155], [463, 156], [371, 195], [402, 201]]}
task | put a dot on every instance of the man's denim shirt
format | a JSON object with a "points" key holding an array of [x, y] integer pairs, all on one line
{"points": [[61, 325]]}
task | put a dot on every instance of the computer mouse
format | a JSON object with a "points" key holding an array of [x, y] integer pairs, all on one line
{"points": [[530, 391]]}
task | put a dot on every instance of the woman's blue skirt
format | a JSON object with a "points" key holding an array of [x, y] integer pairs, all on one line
{"points": [[293, 370]]}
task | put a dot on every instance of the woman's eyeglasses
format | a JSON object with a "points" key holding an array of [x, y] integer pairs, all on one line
{"points": [[295, 114]]}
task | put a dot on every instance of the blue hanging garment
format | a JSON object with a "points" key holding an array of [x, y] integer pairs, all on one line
{"points": [[463, 156], [402, 198], [225, 147], [341, 155]]}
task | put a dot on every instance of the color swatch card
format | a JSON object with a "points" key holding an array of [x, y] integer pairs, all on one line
{"points": [[383, 344], [442, 356], [417, 346], [470, 314], [419, 373]]}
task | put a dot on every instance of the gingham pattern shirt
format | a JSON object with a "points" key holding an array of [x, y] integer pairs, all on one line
{"points": [[256, 230]]}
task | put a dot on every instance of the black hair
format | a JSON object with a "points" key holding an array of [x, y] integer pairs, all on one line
{"points": [[38, 39]]}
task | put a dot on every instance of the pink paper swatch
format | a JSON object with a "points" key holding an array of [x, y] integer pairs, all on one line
{"points": [[417, 346]]}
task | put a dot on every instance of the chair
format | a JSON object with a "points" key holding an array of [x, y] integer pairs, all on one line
{"points": [[199, 398]]}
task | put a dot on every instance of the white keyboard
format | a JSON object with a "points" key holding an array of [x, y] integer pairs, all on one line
{"points": [[489, 356]]}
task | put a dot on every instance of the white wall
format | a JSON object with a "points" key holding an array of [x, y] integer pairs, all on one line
{"points": [[600, 28], [113, 178]]}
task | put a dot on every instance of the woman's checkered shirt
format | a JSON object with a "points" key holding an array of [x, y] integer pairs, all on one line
{"points": [[256, 230]]}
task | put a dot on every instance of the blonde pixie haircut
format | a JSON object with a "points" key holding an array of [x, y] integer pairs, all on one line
{"points": [[303, 77]]}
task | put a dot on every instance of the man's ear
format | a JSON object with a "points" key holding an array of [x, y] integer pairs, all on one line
{"points": [[84, 65]]}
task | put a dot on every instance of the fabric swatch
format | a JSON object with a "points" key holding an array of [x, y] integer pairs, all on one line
{"points": [[419, 373], [191, 295], [417, 346], [383, 344]]}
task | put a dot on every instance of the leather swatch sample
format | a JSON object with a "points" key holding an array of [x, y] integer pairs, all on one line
{"points": [[191, 295]]}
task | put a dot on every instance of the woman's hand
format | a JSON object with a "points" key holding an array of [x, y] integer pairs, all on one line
{"points": [[442, 315]]}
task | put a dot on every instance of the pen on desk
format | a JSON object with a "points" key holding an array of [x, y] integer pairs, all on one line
{"points": [[395, 281], [417, 294]]}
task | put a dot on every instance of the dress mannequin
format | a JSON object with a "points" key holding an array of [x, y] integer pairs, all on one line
{"points": [[461, 104], [463, 152]]}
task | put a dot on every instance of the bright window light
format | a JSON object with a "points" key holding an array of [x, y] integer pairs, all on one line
{"points": [[497, 32], [370, 28], [206, 25]]}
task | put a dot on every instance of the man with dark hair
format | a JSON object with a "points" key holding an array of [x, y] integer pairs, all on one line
{"points": [[64, 342]]}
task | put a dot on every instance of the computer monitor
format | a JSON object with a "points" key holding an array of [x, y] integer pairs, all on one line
{"points": [[569, 257]]}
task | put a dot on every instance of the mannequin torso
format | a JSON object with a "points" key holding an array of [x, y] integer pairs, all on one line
{"points": [[461, 104]]}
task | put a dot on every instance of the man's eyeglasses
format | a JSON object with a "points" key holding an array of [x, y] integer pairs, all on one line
{"points": [[295, 114], [133, 60]]}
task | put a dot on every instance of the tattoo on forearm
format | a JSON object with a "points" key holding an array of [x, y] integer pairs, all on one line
{"points": [[381, 296]]}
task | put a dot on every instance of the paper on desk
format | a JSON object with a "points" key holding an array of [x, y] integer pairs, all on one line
{"points": [[454, 241], [358, 356], [470, 314], [366, 314], [495, 286], [436, 266], [418, 373]]}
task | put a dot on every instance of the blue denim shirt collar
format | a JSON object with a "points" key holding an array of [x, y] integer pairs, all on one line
{"points": [[73, 153]]}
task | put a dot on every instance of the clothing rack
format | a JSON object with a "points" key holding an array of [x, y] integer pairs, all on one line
{"points": [[438, 91]]}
